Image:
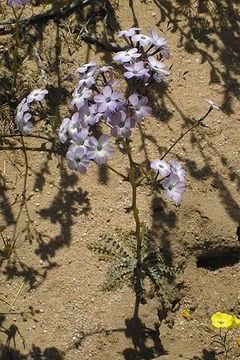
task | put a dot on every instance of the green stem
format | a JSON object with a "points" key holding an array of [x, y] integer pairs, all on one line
{"points": [[116, 172], [135, 210], [196, 124], [137, 269]]}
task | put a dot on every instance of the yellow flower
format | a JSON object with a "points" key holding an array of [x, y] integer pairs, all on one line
{"points": [[236, 322], [221, 320], [186, 313]]}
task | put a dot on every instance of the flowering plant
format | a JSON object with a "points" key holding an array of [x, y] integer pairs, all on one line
{"points": [[224, 323], [105, 112]]}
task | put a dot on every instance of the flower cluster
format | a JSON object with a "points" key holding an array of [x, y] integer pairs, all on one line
{"points": [[173, 178], [16, 2], [98, 103], [148, 68], [23, 117], [225, 321]]}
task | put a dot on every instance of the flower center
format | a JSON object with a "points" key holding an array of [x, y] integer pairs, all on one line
{"points": [[108, 99]]}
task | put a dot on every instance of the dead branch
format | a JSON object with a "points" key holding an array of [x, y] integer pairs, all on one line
{"points": [[50, 14]]}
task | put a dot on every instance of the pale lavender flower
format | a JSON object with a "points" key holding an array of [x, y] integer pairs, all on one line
{"points": [[106, 68], [90, 119], [108, 100], [23, 106], [173, 187], [23, 123], [87, 81], [37, 95], [129, 32], [161, 166], [16, 2], [159, 43], [88, 74], [143, 40], [86, 68], [23, 117], [158, 67], [74, 125], [64, 130], [80, 97], [122, 125], [213, 105], [126, 56], [177, 169], [99, 150], [88, 115], [137, 70], [77, 159], [139, 107], [81, 139]]}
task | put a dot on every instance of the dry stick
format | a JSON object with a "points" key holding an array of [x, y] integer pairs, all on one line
{"points": [[15, 298], [92, 39], [27, 135], [117, 172], [86, 36], [10, 148], [50, 14]]}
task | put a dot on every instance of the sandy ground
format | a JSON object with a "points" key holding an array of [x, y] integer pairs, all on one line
{"points": [[53, 279]]}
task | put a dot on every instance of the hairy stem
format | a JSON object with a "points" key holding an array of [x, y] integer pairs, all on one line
{"points": [[116, 172], [137, 270], [135, 210], [196, 124]]}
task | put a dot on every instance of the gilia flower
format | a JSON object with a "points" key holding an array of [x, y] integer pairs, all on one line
{"points": [[23, 123], [222, 321], [158, 67], [99, 150], [64, 130], [37, 94], [108, 100], [126, 56], [139, 106], [177, 169], [143, 40], [86, 68], [129, 32], [213, 106], [77, 159], [160, 44], [161, 166], [137, 70], [173, 188], [16, 2], [122, 125], [80, 97], [23, 117]]}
